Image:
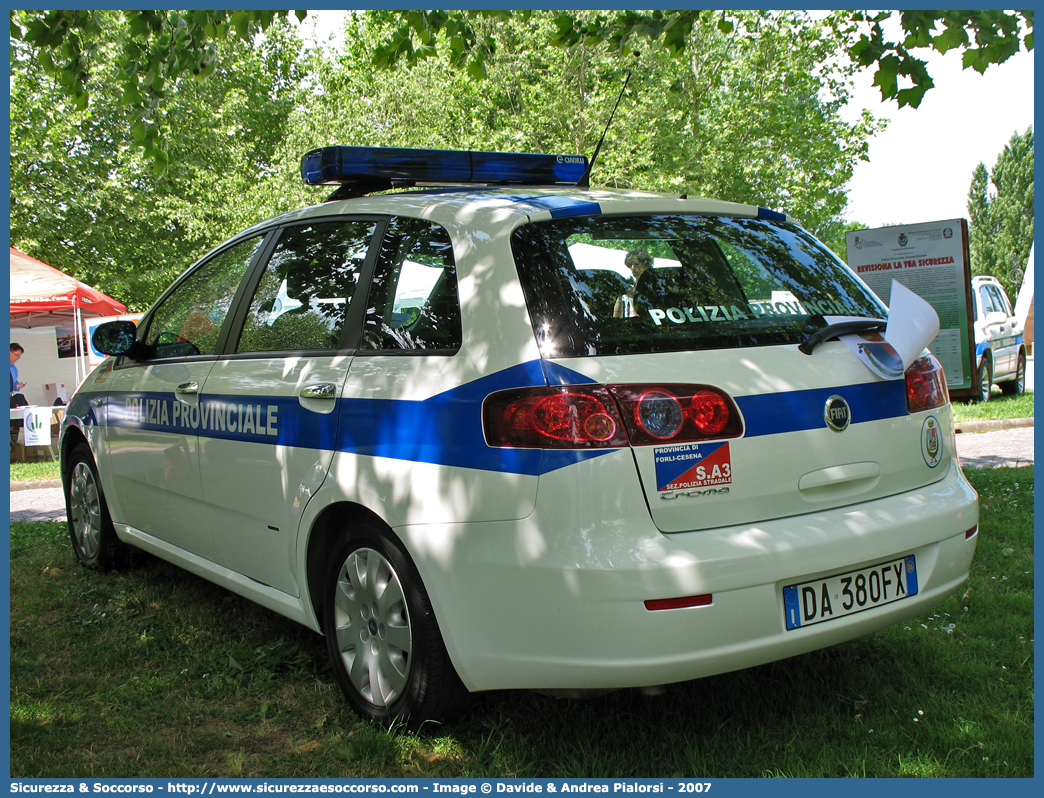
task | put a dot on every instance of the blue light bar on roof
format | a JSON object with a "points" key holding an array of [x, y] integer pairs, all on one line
{"points": [[347, 165]]}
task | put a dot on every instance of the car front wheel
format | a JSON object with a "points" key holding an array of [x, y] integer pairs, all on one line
{"points": [[382, 636], [93, 537], [1017, 386], [985, 379]]}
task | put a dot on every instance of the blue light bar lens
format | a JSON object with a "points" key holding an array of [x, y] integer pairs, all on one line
{"points": [[772, 216], [354, 164]]}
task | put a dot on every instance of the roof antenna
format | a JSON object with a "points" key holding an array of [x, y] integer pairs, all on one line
{"points": [[585, 181]]}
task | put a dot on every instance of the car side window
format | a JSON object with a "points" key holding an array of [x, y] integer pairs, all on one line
{"points": [[302, 299], [189, 320], [413, 302]]}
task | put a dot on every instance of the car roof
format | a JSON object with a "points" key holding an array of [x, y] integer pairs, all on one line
{"points": [[457, 206]]}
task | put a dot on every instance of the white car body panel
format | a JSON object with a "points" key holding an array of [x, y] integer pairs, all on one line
{"points": [[587, 585]]}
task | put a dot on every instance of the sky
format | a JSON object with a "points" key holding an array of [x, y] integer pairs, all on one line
{"points": [[921, 166]]}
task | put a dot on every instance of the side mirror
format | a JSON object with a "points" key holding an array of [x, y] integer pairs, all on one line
{"points": [[996, 317], [114, 337]]}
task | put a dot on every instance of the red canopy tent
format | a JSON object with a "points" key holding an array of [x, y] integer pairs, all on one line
{"points": [[42, 296]]}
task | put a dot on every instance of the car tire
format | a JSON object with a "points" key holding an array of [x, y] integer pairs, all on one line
{"points": [[985, 377], [384, 642], [91, 531], [1016, 386]]}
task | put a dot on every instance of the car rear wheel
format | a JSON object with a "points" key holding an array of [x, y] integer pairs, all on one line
{"points": [[382, 636], [93, 537], [1017, 386], [985, 379]]}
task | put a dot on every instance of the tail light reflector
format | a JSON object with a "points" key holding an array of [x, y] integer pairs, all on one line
{"points": [[926, 385], [678, 603]]}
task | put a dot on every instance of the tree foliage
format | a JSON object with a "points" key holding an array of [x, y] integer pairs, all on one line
{"points": [[158, 49], [86, 199], [744, 107], [1000, 208], [752, 117], [164, 46], [984, 37]]}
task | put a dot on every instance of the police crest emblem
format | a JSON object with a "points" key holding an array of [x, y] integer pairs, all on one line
{"points": [[931, 442]]}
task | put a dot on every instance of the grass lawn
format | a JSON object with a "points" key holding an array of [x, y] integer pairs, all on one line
{"points": [[154, 672], [999, 407], [35, 472]]}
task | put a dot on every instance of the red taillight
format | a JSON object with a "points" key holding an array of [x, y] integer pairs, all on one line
{"points": [[596, 416], [553, 418], [676, 413], [926, 385], [709, 412]]}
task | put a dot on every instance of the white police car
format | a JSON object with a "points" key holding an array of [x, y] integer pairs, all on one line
{"points": [[1000, 348], [525, 434]]}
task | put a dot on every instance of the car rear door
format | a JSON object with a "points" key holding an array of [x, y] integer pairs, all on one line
{"points": [[267, 410]]}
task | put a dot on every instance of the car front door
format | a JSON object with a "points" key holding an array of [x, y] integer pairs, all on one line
{"points": [[267, 410], [152, 409]]}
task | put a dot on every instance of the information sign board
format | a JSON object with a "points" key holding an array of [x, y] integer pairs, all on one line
{"points": [[931, 259], [37, 428]]}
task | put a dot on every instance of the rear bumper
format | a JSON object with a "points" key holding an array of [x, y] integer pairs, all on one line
{"points": [[556, 600]]}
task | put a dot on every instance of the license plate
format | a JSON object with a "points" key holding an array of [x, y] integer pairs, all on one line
{"points": [[835, 597]]}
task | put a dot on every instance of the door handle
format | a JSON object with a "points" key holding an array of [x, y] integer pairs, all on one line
{"points": [[188, 388], [324, 390]]}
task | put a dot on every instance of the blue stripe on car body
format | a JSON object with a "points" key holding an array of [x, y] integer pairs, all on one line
{"points": [[446, 429]]}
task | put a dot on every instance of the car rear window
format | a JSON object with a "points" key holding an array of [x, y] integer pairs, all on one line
{"points": [[621, 285]]}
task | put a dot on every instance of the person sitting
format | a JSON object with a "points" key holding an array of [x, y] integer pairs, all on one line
{"points": [[638, 261]]}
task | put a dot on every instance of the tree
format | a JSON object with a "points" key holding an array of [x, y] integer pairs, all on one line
{"points": [[159, 49], [834, 234], [985, 37], [85, 198], [164, 46], [1000, 208], [752, 118]]}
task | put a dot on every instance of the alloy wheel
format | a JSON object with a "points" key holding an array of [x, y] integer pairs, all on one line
{"points": [[85, 510], [372, 627]]}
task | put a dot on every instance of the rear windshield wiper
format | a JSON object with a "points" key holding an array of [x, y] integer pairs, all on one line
{"points": [[841, 328]]}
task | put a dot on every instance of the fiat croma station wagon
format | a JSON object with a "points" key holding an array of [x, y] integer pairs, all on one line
{"points": [[514, 432]]}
